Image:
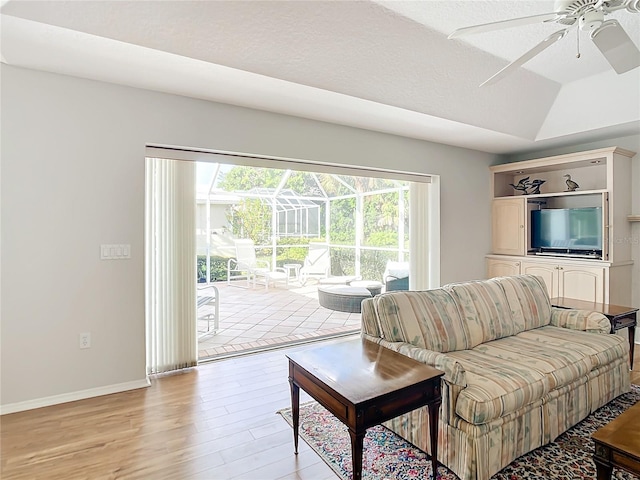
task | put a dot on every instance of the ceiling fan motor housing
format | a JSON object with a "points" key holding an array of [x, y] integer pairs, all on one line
{"points": [[591, 20]]}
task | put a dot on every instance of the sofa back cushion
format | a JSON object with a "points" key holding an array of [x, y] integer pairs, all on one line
{"points": [[428, 319], [528, 301], [369, 323], [485, 309]]}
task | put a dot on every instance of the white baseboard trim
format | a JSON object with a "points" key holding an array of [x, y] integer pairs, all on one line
{"points": [[73, 396]]}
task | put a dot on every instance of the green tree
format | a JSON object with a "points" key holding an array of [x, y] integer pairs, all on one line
{"points": [[251, 218]]}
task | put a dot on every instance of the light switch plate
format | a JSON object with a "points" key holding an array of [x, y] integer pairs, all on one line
{"points": [[115, 251]]}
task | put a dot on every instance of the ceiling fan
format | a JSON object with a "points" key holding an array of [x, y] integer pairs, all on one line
{"points": [[588, 15]]}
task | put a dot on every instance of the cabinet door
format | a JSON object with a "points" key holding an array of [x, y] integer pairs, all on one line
{"points": [[582, 283], [508, 232], [547, 271], [502, 268]]}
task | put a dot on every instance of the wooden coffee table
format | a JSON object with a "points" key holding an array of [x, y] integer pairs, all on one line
{"points": [[617, 444], [364, 384]]}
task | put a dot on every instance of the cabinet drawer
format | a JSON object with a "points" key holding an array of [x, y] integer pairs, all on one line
{"points": [[319, 393], [390, 407], [625, 322]]}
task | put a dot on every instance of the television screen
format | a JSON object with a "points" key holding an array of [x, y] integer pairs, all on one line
{"points": [[567, 228]]}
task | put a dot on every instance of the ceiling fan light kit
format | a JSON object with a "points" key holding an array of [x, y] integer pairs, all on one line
{"points": [[587, 15], [616, 46]]}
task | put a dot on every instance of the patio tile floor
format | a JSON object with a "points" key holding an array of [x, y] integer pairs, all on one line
{"points": [[254, 318]]}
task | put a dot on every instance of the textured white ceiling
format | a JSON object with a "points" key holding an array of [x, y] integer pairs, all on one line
{"points": [[558, 63], [393, 55]]}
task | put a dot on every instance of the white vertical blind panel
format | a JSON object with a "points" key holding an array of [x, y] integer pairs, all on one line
{"points": [[419, 236], [170, 257]]}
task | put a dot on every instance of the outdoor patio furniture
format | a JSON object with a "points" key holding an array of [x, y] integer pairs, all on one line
{"points": [[343, 298], [271, 276], [293, 267], [246, 265], [396, 276], [374, 287], [317, 262], [338, 280], [214, 316]]}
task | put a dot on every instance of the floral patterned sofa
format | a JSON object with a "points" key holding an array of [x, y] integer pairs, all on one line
{"points": [[518, 372]]}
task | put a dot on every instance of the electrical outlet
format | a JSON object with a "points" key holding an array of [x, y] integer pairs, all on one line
{"points": [[85, 340]]}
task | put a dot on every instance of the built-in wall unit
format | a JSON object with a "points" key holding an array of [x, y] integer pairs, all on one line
{"points": [[566, 218]]}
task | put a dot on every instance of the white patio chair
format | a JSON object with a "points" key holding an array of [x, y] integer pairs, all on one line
{"points": [[317, 263], [209, 316], [246, 265]]}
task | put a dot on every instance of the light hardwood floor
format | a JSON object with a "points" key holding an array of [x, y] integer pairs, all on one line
{"points": [[214, 422]]}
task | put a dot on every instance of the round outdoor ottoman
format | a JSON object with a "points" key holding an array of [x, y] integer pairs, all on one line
{"points": [[374, 287], [343, 298], [338, 280]]}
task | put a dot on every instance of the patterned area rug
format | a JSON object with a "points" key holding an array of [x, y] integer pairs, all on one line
{"points": [[387, 456]]}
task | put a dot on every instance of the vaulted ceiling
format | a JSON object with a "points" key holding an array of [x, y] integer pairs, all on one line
{"points": [[380, 65]]}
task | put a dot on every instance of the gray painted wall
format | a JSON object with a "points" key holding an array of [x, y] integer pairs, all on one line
{"points": [[73, 178]]}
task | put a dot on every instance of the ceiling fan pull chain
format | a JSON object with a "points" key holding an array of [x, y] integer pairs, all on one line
{"points": [[578, 42]]}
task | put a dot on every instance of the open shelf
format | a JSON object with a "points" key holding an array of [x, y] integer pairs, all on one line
{"points": [[558, 194], [604, 179]]}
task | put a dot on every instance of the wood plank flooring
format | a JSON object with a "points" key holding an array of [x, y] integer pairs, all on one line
{"points": [[214, 422]]}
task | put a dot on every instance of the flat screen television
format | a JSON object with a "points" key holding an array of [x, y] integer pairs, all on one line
{"points": [[567, 230]]}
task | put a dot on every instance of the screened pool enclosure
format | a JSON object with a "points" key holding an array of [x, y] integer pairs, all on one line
{"points": [[363, 220]]}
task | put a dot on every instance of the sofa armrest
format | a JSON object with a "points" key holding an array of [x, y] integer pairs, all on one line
{"points": [[585, 320], [454, 372]]}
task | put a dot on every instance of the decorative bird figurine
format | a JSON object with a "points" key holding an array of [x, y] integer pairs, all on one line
{"points": [[535, 184], [523, 185], [571, 185]]}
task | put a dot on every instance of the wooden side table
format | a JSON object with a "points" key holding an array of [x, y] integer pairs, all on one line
{"points": [[617, 444], [364, 384], [620, 317]]}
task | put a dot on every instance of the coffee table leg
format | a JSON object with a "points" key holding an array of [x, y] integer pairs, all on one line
{"points": [[434, 409], [357, 442], [295, 412], [604, 472]]}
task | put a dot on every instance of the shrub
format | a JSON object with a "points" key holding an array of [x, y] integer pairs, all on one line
{"points": [[218, 268]]}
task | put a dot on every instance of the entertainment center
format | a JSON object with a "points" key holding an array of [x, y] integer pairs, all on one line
{"points": [[577, 239]]}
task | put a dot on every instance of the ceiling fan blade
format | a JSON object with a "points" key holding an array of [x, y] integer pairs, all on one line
{"points": [[616, 46], [514, 22], [547, 42]]}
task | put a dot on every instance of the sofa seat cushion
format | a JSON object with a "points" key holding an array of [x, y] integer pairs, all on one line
{"points": [[427, 319], [495, 388], [601, 349], [508, 373]]}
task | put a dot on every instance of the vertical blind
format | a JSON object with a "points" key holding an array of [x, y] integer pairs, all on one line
{"points": [[170, 261], [419, 236]]}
